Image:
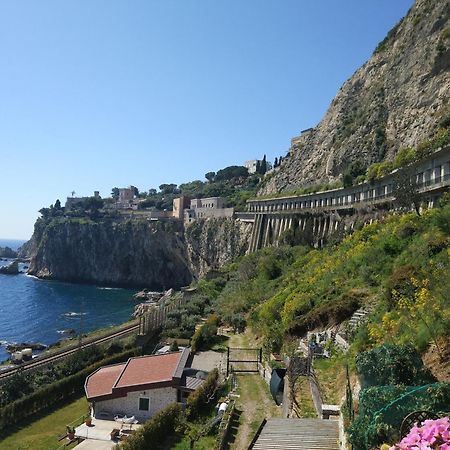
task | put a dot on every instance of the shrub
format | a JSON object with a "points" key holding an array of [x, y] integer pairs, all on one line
{"points": [[202, 396], [50, 395], [205, 334], [392, 364], [155, 431], [383, 408], [401, 282]]}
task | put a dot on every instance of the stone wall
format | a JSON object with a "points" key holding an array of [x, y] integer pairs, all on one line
{"points": [[129, 405]]}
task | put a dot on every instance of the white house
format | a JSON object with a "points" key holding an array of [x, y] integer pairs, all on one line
{"points": [[142, 386]]}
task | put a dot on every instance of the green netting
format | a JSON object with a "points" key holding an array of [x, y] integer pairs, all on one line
{"points": [[383, 408]]}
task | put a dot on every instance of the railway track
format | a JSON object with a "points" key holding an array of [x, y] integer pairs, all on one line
{"points": [[45, 360]]}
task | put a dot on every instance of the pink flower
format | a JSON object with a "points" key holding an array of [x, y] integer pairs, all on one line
{"points": [[431, 435]]}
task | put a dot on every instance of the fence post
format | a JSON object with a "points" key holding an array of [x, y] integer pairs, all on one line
{"points": [[228, 361]]}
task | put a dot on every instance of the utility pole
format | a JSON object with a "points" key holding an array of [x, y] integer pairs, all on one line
{"points": [[80, 335]]}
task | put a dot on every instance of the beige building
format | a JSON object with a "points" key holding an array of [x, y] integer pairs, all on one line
{"points": [[205, 208], [179, 205]]}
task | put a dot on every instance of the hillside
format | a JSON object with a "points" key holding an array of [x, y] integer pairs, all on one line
{"points": [[398, 266], [395, 100]]}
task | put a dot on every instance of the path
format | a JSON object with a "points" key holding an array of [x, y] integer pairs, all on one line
{"points": [[255, 402]]}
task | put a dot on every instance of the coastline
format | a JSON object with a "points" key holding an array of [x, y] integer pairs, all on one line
{"points": [[33, 310]]}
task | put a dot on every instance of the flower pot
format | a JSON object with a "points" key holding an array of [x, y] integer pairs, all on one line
{"points": [[88, 421]]}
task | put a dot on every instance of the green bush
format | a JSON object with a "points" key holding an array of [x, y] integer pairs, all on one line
{"points": [[383, 408], [202, 396], [392, 364], [205, 334], [155, 431], [48, 396]]}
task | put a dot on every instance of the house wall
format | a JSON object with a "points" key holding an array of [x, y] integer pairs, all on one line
{"points": [[129, 405]]}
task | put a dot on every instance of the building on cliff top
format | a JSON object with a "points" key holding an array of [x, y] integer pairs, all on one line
{"points": [[252, 165], [205, 208], [72, 202]]}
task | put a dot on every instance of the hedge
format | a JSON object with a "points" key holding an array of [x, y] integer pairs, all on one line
{"points": [[54, 393], [155, 431], [201, 397]]}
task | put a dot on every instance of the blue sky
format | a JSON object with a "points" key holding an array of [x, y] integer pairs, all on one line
{"points": [[102, 93]]}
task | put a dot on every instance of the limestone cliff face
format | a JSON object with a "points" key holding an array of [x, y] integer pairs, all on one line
{"points": [[212, 243], [129, 253], [158, 255], [395, 100]]}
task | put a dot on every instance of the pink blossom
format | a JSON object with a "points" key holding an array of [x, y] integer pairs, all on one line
{"points": [[431, 435]]}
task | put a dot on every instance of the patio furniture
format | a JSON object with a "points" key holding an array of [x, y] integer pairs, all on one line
{"points": [[115, 433], [415, 417]]}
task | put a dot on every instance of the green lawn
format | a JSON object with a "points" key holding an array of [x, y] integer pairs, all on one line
{"points": [[43, 433]]}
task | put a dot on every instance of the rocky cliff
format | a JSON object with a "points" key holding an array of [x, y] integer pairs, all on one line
{"points": [[212, 243], [395, 100], [134, 253], [123, 253]]}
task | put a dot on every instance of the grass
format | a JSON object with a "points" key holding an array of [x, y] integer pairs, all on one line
{"points": [[204, 443], [332, 379], [255, 402], [43, 433], [303, 395]]}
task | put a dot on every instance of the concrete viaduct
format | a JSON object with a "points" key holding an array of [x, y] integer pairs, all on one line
{"points": [[319, 215]]}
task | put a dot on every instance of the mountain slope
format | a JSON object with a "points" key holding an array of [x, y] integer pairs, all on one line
{"points": [[395, 100]]}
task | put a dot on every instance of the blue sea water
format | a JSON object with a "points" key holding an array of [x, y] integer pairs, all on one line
{"points": [[33, 310]]}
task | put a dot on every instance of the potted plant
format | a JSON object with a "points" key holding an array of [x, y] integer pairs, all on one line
{"points": [[88, 420], [70, 433]]}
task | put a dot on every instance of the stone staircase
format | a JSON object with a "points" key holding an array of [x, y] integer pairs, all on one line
{"points": [[359, 317], [298, 434]]}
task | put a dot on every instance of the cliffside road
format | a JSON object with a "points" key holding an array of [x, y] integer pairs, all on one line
{"points": [[40, 362]]}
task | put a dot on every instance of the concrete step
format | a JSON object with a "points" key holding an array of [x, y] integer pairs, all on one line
{"points": [[301, 434]]}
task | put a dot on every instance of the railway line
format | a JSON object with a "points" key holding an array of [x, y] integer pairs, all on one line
{"points": [[42, 361]]}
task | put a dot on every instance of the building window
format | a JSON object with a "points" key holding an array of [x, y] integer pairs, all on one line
{"points": [[144, 404]]}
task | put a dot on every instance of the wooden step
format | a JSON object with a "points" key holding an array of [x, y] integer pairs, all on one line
{"points": [[301, 434]]}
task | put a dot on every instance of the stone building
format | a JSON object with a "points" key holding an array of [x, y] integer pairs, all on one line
{"points": [[204, 208], [142, 386], [73, 202], [252, 164], [179, 205]]}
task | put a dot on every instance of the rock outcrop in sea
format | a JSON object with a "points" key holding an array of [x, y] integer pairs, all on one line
{"points": [[11, 269], [7, 252]]}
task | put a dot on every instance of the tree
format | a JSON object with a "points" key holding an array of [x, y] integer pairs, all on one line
{"points": [[152, 191], [263, 166], [136, 191], [210, 176], [57, 205], [275, 164], [170, 188], [45, 213], [115, 193], [406, 190], [230, 172], [354, 170]]}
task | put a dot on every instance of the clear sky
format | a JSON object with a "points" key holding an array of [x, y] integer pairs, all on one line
{"points": [[102, 93]]}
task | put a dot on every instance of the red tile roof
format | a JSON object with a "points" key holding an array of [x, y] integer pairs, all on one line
{"points": [[101, 382], [145, 371], [148, 369]]}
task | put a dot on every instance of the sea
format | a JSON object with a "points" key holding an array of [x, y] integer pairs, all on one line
{"points": [[40, 311]]}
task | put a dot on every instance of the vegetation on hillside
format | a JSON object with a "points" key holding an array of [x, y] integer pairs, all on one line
{"points": [[356, 173], [397, 265]]}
